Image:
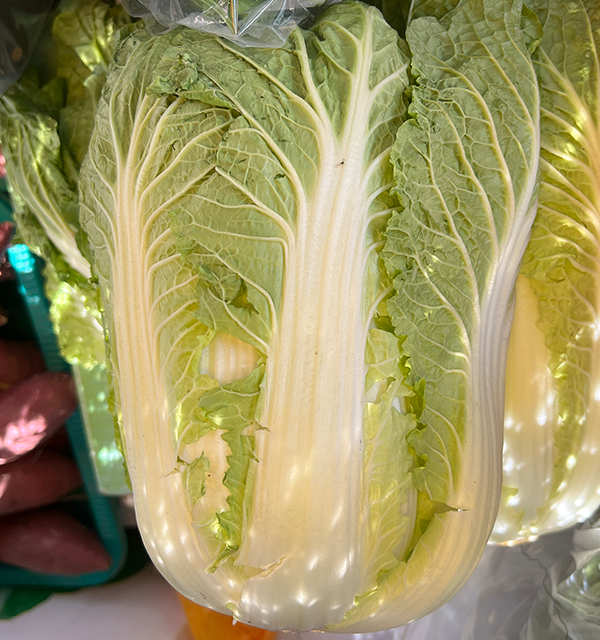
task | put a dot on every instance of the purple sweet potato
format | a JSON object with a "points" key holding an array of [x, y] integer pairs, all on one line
{"points": [[36, 480], [51, 541], [33, 410], [18, 361]]}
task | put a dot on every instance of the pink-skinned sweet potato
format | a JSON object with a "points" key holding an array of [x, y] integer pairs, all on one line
{"points": [[38, 479], [59, 441], [51, 541], [33, 410], [18, 361]]}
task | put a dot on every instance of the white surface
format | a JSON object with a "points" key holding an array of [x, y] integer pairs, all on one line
{"points": [[142, 607]]}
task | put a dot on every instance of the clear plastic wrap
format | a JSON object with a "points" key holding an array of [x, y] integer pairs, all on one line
{"points": [[255, 23]]}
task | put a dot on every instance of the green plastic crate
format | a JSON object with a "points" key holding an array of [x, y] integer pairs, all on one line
{"points": [[100, 511]]}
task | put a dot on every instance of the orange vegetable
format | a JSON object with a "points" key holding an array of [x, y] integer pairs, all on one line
{"points": [[207, 624]]}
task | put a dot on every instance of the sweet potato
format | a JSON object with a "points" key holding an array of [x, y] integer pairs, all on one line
{"points": [[36, 480], [6, 271], [6, 231], [31, 411], [59, 441], [18, 361], [51, 541]]}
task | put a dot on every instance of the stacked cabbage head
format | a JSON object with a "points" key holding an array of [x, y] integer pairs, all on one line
{"points": [[307, 259]]}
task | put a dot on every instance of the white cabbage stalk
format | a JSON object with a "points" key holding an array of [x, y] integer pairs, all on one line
{"points": [[308, 376], [552, 415]]}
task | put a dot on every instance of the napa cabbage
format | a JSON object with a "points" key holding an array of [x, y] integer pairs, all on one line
{"points": [[552, 419], [306, 291], [46, 120]]}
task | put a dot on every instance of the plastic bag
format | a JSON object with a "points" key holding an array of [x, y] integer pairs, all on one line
{"points": [[254, 23], [21, 23]]}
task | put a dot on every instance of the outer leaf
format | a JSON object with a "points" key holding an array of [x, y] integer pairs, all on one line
{"points": [[36, 171], [466, 168], [465, 227], [174, 147], [447, 259], [554, 422]]}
